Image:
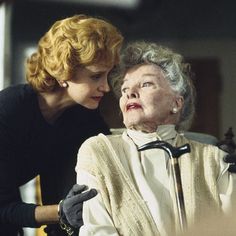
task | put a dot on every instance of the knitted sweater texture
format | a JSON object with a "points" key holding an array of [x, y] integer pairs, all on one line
{"points": [[130, 214]]}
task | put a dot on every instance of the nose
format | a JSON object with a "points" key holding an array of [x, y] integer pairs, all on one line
{"points": [[132, 93], [104, 87]]}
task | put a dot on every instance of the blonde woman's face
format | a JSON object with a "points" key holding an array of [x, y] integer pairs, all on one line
{"points": [[147, 99], [89, 85]]}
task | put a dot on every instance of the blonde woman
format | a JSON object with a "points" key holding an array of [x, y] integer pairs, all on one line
{"points": [[44, 122]]}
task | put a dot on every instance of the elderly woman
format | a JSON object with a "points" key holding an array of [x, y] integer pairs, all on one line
{"points": [[136, 191]]}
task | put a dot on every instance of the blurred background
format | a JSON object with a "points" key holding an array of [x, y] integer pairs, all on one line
{"points": [[203, 31]]}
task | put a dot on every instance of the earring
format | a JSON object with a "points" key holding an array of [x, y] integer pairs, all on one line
{"points": [[64, 84], [174, 110]]}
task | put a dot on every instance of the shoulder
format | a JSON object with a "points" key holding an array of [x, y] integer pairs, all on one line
{"points": [[100, 140], [15, 91], [181, 139], [100, 145], [17, 105], [92, 150], [204, 147], [207, 152], [100, 150], [14, 97]]}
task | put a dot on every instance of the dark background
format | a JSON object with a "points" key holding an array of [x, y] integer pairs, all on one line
{"points": [[173, 23]]}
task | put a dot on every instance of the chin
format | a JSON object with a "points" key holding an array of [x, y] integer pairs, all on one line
{"points": [[90, 106], [131, 125], [132, 121], [93, 107]]}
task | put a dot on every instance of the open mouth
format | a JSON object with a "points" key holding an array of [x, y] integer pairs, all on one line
{"points": [[132, 106]]}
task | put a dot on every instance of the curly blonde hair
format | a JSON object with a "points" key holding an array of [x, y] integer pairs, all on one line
{"points": [[176, 71], [72, 42]]}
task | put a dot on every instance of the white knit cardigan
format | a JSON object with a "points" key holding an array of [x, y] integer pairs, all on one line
{"points": [[199, 173]]}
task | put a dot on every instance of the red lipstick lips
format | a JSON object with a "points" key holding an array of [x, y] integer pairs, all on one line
{"points": [[133, 105], [97, 98]]}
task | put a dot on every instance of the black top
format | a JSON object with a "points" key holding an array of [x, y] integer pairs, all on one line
{"points": [[29, 146]]}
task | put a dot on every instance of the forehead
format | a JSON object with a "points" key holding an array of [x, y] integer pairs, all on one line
{"points": [[98, 68], [143, 71]]}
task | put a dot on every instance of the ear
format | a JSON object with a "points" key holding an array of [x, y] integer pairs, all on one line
{"points": [[178, 103], [63, 83]]}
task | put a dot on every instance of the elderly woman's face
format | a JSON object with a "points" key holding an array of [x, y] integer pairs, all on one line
{"points": [[147, 99]]}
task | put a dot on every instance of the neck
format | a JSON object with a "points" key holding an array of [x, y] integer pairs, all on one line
{"points": [[53, 104], [144, 127], [150, 127]]}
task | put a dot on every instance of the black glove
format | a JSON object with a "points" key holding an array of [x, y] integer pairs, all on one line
{"points": [[70, 209], [231, 159]]}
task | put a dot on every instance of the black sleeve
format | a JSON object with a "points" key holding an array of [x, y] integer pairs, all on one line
{"points": [[12, 209]]}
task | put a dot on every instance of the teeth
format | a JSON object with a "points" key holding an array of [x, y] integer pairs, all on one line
{"points": [[131, 106]]}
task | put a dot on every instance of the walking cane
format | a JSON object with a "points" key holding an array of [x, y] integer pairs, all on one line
{"points": [[174, 153]]}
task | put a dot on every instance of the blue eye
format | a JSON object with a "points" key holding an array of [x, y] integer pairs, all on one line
{"points": [[147, 84]]}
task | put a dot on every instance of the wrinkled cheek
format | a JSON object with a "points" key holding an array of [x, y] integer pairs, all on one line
{"points": [[128, 121], [122, 105], [156, 101], [153, 105]]}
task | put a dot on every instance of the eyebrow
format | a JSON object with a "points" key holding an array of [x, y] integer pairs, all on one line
{"points": [[150, 74], [145, 75], [96, 72]]}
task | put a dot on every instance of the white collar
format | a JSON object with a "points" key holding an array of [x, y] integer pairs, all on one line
{"points": [[163, 132]]}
